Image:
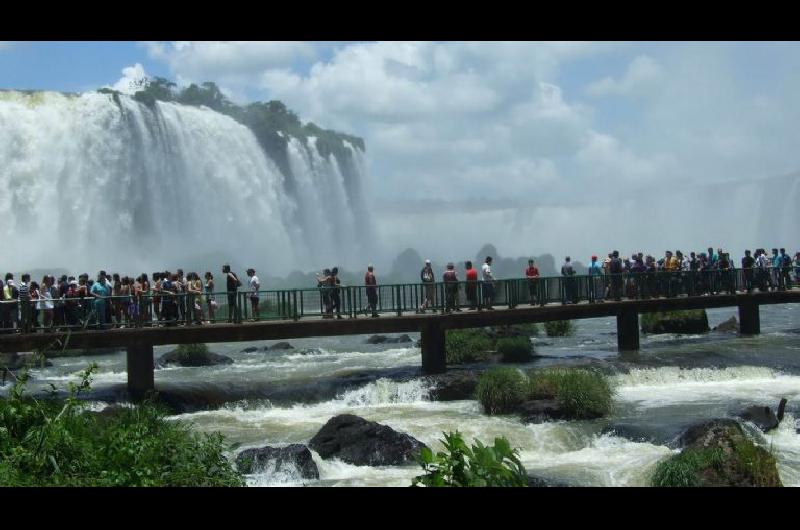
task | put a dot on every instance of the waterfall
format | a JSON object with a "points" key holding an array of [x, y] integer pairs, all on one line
{"points": [[101, 181]]}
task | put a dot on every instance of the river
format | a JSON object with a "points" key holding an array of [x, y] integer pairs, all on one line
{"points": [[277, 397]]}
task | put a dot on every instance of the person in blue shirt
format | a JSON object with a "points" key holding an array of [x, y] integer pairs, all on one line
{"points": [[595, 273], [99, 291], [776, 270]]}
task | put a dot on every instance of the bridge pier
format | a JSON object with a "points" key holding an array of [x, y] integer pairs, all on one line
{"points": [[433, 355], [628, 330], [749, 319], [141, 378]]}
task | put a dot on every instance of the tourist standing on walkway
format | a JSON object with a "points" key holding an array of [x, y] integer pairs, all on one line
{"points": [[487, 283], [785, 270], [775, 271], [46, 302], [336, 298], [595, 280], [254, 286], [748, 262], [532, 275], [568, 292], [324, 284], [450, 279], [232, 284], [372, 291], [615, 271], [472, 285], [429, 287], [100, 294], [210, 300]]}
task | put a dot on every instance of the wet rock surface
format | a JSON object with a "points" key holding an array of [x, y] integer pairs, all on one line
{"points": [[278, 459], [194, 359]]}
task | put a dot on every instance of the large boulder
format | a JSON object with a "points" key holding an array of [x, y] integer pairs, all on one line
{"points": [[454, 385], [294, 458], [383, 339], [729, 325], [541, 410], [251, 349], [684, 322], [364, 443], [718, 453], [206, 358], [280, 346], [763, 417]]}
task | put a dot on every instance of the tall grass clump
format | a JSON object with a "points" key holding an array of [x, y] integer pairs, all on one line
{"points": [[501, 390], [515, 349], [583, 394], [559, 328], [466, 346]]}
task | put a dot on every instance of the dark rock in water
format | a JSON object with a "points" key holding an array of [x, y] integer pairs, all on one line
{"points": [[763, 417], [278, 459], [251, 349], [195, 359], [718, 453], [454, 385], [539, 482], [729, 325], [360, 442], [540, 411], [685, 322], [418, 344], [311, 351], [633, 433], [14, 361], [281, 346], [383, 339]]}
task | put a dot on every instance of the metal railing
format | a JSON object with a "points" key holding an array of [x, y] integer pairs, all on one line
{"points": [[186, 309]]}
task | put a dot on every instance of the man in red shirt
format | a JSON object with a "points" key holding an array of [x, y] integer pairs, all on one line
{"points": [[372, 291], [472, 285], [532, 274]]}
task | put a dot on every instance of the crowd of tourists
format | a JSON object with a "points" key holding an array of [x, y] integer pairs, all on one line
{"points": [[171, 298]]}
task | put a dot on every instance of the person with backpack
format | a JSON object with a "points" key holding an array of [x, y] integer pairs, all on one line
{"points": [[450, 279], [748, 262], [232, 283], [567, 271]]}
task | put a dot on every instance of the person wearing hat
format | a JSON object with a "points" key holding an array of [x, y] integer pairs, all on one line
{"points": [[372, 291], [429, 287], [450, 288]]}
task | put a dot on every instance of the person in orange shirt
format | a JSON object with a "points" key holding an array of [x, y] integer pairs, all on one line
{"points": [[472, 285]]}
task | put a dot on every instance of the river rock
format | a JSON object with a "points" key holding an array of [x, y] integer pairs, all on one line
{"points": [[729, 325], [540, 411], [454, 385], [742, 463], [763, 417], [633, 433], [383, 339], [684, 322], [364, 443], [280, 346], [278, 459], [195, 359], [539, 482], [251, 349]]}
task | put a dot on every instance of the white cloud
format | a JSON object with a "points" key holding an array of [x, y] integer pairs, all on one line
{"points": [[642, 75]]}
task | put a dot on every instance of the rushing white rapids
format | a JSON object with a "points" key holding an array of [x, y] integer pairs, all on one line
{"points": [[89, 181]]}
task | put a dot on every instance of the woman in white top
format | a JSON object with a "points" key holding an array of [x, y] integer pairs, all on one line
{"points": [[46, 302], [254, 287]]}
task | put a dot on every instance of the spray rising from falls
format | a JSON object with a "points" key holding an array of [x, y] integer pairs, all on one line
{"points": [[101, 180]]}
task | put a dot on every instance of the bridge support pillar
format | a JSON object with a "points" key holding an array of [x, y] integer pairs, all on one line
{"points": [[141, 378], [433, 356], [628, 330], [749, 319]]}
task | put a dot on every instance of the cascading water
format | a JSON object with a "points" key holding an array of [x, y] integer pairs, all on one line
{"points": [[96, 181]]}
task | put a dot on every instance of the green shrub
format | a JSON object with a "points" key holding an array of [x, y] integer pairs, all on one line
{"points": [[476, 466], [57, 443], [687, 321], [500, 390], [466, 346], [559, 328], [583, 394], [186, 352], [515, 349]]}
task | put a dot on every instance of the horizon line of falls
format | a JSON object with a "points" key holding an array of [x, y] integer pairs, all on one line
{"points": [[90, 183]]}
